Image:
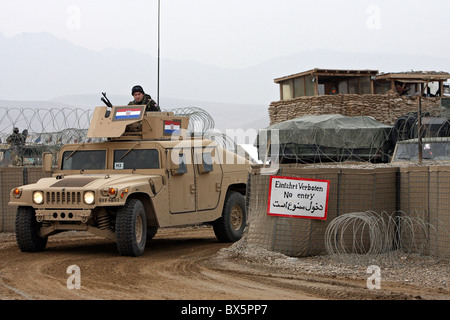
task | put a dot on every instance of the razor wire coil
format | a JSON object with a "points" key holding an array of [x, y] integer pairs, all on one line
{"points": [[359, 236], [58, 126], [200, 121], [351, 144], [43, 129]]}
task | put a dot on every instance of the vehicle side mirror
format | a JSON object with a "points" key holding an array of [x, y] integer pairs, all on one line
{"points": [[47, 162]]}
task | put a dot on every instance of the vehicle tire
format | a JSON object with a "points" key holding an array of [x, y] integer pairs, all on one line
{"points": [[131, 229], [230, 227], [27, 228]]}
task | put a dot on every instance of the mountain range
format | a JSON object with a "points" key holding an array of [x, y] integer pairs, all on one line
{"points": [[40, 70]]}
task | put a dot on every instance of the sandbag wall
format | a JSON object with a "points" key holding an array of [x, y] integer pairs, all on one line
{"points": [[385, 108], [351, 190]]}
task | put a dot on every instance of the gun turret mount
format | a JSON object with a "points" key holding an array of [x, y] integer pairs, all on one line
{"points": [[133, 123]]}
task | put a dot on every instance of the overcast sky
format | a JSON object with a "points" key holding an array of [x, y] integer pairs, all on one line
{"points": [[238, 33]]}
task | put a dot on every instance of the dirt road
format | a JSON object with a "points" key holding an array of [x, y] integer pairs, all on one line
{"points": [[179, 264]]}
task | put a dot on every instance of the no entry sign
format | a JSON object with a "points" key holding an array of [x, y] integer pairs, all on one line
{"points": [[298, 198]]}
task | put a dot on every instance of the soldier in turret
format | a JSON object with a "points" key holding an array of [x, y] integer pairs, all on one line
{"points": [[141, 98]]}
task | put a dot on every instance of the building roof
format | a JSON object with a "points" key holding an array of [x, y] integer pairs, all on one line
{"points": [[413, 76], [330, 72]]}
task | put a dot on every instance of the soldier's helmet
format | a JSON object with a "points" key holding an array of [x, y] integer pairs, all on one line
{"points": [[16, 130]]}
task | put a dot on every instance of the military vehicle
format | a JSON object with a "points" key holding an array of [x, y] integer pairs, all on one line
{"points": [[434, 149], [148, 173], [326, 138]]}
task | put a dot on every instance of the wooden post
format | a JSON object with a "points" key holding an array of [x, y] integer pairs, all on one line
{"points": [[304, 86], [316, 86]]}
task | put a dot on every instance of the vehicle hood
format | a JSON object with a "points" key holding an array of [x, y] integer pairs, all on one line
{"points": [[94, 181]]}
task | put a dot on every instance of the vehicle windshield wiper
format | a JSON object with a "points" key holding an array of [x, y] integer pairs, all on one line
{"points": [[70, 155], [129, 150]]}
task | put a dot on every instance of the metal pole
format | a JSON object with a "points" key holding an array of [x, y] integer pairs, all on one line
{"points": [[159, 42], [420, 129], [419, 134]]}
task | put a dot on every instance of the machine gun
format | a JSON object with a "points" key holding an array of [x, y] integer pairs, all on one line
{"points": [[108, 104], [106, 100]]}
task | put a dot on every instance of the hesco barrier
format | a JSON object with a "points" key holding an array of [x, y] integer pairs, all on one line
{"points": [[413, 191], [11, 177], [424, 192]]}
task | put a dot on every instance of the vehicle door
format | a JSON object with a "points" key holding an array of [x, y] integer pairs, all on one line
{"points": [[209, 178], [181, 181]]}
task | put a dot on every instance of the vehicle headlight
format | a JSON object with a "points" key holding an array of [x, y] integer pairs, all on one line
{"points": [[89, 197], [38, 197]]}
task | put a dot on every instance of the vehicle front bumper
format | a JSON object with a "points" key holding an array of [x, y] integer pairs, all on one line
{"points": [[69, 215]]}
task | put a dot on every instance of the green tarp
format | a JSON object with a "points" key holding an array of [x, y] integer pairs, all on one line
{"points": [[335, 131]]}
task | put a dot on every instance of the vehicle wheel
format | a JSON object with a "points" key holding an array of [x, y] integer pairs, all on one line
{"points": [[230, 227], [151, 232], [27, 228], [131, 229]]}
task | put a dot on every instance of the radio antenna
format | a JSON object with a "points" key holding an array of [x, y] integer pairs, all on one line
{"points": [[159, 42]]}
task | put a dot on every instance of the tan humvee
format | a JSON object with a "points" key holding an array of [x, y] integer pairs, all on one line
{"points": [[148, 174]]}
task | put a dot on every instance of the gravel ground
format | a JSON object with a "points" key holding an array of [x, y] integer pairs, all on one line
{"points": [[424, 271], [403, 276], [397, 266]]}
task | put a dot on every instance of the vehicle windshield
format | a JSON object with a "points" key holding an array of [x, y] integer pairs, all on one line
{"points": [[136, 159], [431, 151], [84, 160]]}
